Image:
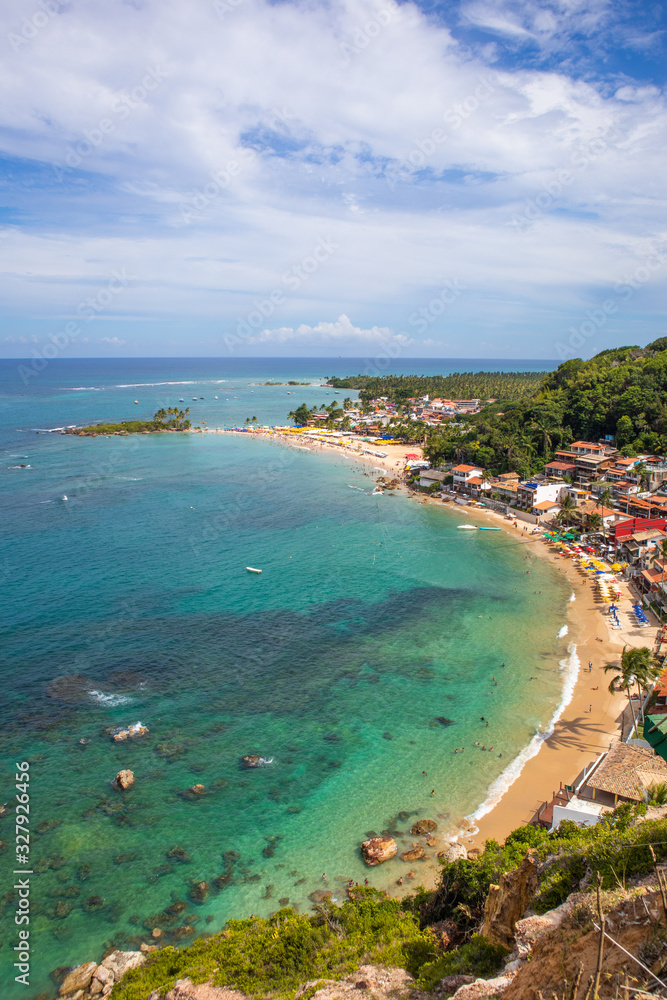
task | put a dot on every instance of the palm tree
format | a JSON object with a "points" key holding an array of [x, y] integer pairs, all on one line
{"points": [[568, 508], [593, 522], [605, 498], [638, 666], [660, 552]]}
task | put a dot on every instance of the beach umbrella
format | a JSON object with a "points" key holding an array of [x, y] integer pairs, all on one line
{"points": [[599, 572]]}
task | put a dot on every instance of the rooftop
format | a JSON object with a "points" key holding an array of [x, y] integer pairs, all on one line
{"points": [[628, 771]]}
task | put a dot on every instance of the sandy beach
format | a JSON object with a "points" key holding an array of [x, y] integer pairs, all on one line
{"points": [[593, 717]]}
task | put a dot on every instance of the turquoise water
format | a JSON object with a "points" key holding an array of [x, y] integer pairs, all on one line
{"points": [[373, 617]]}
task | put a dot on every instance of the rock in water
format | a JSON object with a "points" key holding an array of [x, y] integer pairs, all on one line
{"points": [[506, 903], [377, 850], [124, 779], [199, 892], [253, 760], [413, 854], [423, 826], [78, 979]]}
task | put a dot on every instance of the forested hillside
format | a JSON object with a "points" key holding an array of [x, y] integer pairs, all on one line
{"points": [[620, 392]]}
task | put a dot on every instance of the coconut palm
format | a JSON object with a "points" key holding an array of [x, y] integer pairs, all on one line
{"points": [[660, 553], [638, 666], [568, 509]]}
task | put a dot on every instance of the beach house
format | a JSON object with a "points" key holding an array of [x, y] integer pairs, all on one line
{"points": [[462, 474]]}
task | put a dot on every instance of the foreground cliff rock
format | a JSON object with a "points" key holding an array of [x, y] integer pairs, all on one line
{"points": [[507, 902], [91, 980]]}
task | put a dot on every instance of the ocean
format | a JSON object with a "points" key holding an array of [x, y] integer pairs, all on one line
{"points": [[374, 619]]}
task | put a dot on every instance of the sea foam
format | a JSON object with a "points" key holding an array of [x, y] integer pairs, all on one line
{"points": [[570, 667], [110, 700]]}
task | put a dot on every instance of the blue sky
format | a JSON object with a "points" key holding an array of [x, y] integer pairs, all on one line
{"points": [[477, 179]]}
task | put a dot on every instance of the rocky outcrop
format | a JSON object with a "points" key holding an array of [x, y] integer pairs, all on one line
{"points": [[78, 979], [378, 982], [377, 850], [506, 903], [570, 948], [423, 826], [91, 981], [185, 989], [124, 779]]}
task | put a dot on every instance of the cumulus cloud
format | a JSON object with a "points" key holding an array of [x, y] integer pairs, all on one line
{"points": [[339, 332], [115, 341]]}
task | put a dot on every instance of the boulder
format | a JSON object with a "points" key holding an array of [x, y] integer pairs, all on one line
{"points": [[455, 852], [450, 984], [78, 979], [124, 779], [423, 826], [377, 850], [251, 760], [198, 790], [120, 962], [506, 903], [103, 975], [482, 988], [413, 854]]}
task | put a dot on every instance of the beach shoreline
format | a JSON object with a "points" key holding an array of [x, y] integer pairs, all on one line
{"points": [[588, 717]]}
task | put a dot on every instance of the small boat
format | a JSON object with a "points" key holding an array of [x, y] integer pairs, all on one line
{"points": [[489, 529], [64, 496], [251, 569], [195, 398], [181, 400], [467, 527]]}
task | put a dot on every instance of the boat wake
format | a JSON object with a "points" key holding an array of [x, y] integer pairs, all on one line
{"points": [[570, 668]]}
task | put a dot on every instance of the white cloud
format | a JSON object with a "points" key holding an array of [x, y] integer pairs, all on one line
{"points": [[369, 122], [336, 333], [112, 340]]}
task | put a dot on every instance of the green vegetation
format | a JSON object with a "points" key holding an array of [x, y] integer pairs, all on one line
{"points": [[466, 385], [620, 392], [273, 956], [172, 419], [478, 957]]}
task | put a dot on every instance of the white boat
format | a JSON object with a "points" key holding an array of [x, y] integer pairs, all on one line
{"points": [[467, 527], [251, 569]]}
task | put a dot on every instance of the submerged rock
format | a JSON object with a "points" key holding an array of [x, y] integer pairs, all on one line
{"points": [[199, 892], [179, 854], [423, 826], [414, 854], [377, 850]]}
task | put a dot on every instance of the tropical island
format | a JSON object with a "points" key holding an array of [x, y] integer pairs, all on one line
{"points": [[171, 419]]}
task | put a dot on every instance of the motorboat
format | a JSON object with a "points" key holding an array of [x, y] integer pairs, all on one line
{"points": [[251, 569]]}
